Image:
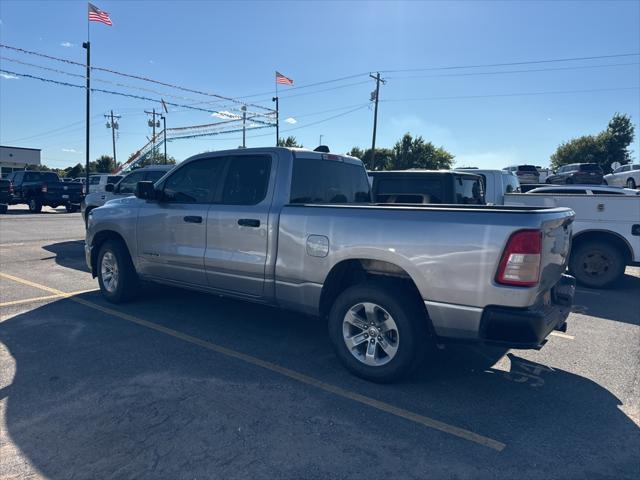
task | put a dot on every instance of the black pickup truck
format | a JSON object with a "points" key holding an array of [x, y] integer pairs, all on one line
{"points": [[5, 194], [37, 189]]}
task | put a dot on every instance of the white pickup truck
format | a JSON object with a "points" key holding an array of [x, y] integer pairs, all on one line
{"points": [[606, 232]]}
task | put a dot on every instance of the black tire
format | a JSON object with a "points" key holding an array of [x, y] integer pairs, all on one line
{"points": [[3, 208], [35, 206], [597, 264], [413, 338], [71, 208], [127, 285], [631, 183]]}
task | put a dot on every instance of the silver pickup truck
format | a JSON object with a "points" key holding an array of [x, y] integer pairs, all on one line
{"points": [[296, 229]]}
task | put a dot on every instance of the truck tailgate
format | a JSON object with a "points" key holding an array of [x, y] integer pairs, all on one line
{"points": [[556, 245]]}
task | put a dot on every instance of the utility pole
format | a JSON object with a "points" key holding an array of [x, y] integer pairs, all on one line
{"points": [[275, 99], [152, 123], [244, 123], [113, 125], [320, 143], [87, 46], [375, 96], [164, 129]]}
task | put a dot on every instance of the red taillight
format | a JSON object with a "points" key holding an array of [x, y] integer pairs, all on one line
{"points": [[44, 188], [520, 262]]}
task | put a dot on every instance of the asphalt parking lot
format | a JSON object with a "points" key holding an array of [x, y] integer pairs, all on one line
{"points": [[186, 385]]}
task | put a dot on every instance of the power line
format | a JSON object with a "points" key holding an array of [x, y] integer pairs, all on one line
{"points": [[508, 64], [471, 74], [111, 92], [520, 94], [137, 77]]}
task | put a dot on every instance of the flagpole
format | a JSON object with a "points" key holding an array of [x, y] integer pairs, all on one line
{"points": [[87, 45], [275, 99]]}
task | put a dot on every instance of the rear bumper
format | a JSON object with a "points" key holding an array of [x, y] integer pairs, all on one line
{"points": [[529, 327]]}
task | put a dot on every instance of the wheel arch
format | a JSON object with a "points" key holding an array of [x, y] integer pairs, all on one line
{"points": [[349, 272], [604, 236], [98, 240]]}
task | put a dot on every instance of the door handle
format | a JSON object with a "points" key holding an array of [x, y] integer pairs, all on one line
{"points": [[192, 219], [249, 222]]}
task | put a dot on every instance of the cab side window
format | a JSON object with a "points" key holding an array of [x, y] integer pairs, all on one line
{"points": [[196, 182]]}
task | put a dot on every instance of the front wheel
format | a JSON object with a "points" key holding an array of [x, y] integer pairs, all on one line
{"points": [[116, 274], [35, 206], [378, 336], [631, 183], [596, 264]]}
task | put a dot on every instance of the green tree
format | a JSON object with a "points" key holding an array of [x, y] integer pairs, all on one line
{"points": [[290, 142], [416, 153], [356, 152], [384, 159], [75, 171], [610, 145], [104, 164]]}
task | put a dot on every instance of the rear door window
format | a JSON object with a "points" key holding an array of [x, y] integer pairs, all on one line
{"points": [[423, 190], [247, 180], [316, 180]]}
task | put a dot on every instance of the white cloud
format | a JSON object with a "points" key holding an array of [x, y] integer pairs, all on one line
{"points": [[151, 61], [67, 44], [226, 115], [291, 121], [8, 76], [70, 150]]}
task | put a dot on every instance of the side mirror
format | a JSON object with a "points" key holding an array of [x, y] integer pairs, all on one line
{"points": [[109, 187], [145, 190]]}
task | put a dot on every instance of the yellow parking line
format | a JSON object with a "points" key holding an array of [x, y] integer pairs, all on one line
{"points": [[48, 297], [563, 335], [292, 374]]}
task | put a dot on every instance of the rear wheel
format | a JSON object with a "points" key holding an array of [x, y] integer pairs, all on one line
{"points": [[597, 264], [3, 208], [376, 335], [631, 183], [71, 208], [35, 206], [116, 274]]}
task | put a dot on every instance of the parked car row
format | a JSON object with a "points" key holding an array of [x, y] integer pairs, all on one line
{"points": [[297, 229]]}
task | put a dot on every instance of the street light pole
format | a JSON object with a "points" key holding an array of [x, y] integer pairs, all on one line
{"points": [[164, 129], [244, 127]]}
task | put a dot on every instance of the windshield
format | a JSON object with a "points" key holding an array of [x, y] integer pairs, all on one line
{"points": [[400, 190], [527, 168]]}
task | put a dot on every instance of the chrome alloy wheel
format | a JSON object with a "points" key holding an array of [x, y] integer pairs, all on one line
{"points": [[370, 334], [109, 272]]}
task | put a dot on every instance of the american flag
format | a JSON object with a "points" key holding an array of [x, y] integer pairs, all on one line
{"points": [[97, 15], [280, 78]]}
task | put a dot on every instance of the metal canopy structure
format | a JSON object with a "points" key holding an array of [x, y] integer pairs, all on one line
{"points": [[237, 122]]}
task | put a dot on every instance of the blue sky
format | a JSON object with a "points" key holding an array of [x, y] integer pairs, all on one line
{"points": [[233, 49]]}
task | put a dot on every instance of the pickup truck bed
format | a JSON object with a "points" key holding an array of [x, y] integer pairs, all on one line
{"points": [[294, 229]]}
